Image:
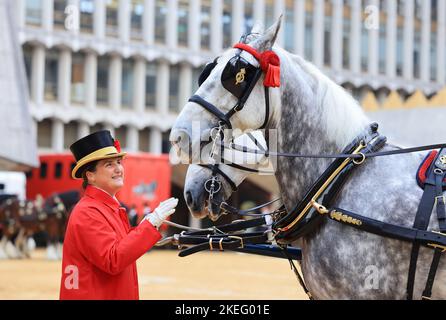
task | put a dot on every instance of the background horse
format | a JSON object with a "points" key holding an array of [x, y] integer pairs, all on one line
{"points": [[313, 115]]}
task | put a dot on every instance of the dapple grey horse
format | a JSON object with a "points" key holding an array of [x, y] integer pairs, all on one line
{"points": [[313, 115]]}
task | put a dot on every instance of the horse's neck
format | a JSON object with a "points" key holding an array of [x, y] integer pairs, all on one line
{"points": [[316, 117]]}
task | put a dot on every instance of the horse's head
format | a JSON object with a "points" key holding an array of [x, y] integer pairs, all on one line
{"points": [[207, 186], [232, 94]]}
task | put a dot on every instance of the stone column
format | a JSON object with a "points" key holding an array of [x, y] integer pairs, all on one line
{"points": [[172, 24], [391, 38], [425, 54], [162, 85], [91, 63], [83, 129], [194, 25], [57, 138], [318, 33], [259, 12], [216, 26], [110, 127], [20, 11], [139, 84], [355, 37], [132, 139], [279, 8], [99, 19], [156, 140], [299, 27], [336, 35], [185, 84], [114, 82], [373, 56], [238, 20], [38, 74], [441, 43], [47, 15], [149, 22], [408, 39], [64, 77], [124, 20]]}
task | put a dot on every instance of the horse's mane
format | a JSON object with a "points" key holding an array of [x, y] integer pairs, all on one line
{"points": [[336, 103]]}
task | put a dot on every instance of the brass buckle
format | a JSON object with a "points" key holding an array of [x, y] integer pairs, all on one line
{"points": [[358, 162], [440, 197], [238, 238], [318, 207], [438, 246]]}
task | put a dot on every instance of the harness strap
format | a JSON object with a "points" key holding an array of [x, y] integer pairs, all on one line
{"points": [[212, 109], [216, 169], [441, 216], [433, 188], [296, 272]]}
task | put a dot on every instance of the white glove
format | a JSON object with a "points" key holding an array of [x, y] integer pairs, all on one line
{"points": [[165, 209]]}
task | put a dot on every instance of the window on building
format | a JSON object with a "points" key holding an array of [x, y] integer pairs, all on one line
{"points": [[111, 18], [44, 133], [160, 21], [150, 85], [399, 51], [174, 88], [78, 77], [102, 80], [33, 12], [121, 135], [127, 83], [51, 74], [59, 13], [70, 133], [165, 146], [227, 23], [183, 24], [144, 140], [43, 170], [136, 18], [86, 8], [58, 170], [27, 56], [205, 25]]}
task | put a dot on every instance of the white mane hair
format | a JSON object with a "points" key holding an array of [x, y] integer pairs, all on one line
{"points": [[336, 103]]}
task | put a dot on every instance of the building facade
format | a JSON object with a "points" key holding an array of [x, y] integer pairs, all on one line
{"points": [[129, 65]]}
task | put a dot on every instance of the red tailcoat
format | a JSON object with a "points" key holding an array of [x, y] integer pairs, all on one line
{"points": [[100, 250]]}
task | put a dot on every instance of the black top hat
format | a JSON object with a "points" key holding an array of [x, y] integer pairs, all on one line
{"points": [[96, 146]]}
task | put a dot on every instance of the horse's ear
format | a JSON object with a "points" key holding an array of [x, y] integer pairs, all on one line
{"points": [[255, 33], [257, 28], [266, 41]]}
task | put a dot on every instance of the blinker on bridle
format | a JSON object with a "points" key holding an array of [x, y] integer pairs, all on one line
{"points": [[239, 77]]}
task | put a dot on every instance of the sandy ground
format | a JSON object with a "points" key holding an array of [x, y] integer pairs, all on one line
{"points": [[164, 275]]}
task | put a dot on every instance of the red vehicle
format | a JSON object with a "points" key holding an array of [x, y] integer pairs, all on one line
{"points": [[147, 178]]}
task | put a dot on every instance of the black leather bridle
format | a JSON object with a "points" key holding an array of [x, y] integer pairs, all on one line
{"points": [[233, 79]]}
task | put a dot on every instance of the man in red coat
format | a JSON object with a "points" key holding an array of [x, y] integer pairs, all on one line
{"points": [[100, 248]]}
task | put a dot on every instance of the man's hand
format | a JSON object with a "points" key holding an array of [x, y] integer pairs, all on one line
{"points": [[165, 209]]}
